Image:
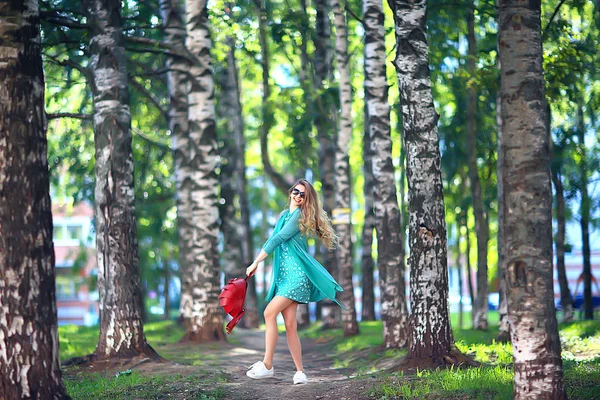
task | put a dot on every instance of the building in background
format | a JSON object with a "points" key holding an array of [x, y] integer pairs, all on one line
{"points": [[76, 271]]}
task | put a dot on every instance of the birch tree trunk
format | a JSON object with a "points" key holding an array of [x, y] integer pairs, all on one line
{"points": [[584, 222], [343, 212], [325, 124], [29, 362], [236, 233], [460, 277], [121, 327], [481, 228], [368, 293], [528, 205], [200, 161], [503, 327], [430, 338], [390, 260], [178, 80], [565, 294]]}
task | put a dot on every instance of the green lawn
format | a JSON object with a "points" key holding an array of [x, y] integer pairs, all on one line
{"points": [[494, 379], [580, 350]]}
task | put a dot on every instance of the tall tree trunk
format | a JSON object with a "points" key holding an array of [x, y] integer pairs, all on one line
{"points": [[561, 223], [280, 182], [238, 246], [588, 305], [325, 124], [121, 313], [390, 261], [528, 205], [166, 291], [367, 264], [178, 80], [503, 327], [29, 362], [342, 213], [200, 159], [430, 338], [460, 277], [368, 293], [481, 228], [468, 267]]}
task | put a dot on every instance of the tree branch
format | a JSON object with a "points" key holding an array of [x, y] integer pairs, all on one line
{"points": [[149, 140], [66, 63], [151, 97], [353, 14], [86, 117], [545, 32], [54, 18]]}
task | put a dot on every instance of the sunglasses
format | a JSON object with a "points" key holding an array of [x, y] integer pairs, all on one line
{"points": [[296, 192]]}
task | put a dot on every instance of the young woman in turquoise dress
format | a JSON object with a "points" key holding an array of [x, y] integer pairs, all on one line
{"points": [[297, 277]]}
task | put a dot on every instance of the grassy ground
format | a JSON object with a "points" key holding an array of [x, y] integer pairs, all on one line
{"points": [[580, 350]]}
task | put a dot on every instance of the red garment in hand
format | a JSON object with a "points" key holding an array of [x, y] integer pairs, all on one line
{"points": [[232, 300]]}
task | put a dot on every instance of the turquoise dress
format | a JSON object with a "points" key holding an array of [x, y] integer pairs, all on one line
{"points": [[296, 274]]}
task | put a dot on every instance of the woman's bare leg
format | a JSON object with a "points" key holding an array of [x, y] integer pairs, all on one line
{"points": [[277, 305], [291, 331]]}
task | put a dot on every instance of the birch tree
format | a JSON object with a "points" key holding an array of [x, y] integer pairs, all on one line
{"points": [[325, 117], [177, 82], [121, 328], [503, 328], [367, 262], [481, 224], [201, 182], [235, 224], [528, 205], [429, 335], [390, 259], [342, 213], [29, 363]]}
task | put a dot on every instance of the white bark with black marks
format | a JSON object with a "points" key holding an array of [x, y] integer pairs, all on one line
{"points": [[342, 170], [528, 205], [481, 224], [390, 252], [430, 337], [202, 184], [121, 327], [29, 361], [178, 81]]}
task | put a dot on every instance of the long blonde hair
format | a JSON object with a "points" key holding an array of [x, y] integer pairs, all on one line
{"points": [[314, 220]]}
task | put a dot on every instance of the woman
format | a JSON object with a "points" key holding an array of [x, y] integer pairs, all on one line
{"points": [[297, 277]]}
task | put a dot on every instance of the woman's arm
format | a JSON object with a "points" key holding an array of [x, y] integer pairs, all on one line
{"points": [[286, 233]]}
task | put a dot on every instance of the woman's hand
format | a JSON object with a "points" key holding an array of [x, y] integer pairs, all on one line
{"points": [[251, 269]]}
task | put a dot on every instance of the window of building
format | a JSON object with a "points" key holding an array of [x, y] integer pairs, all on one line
{"points": [[59, 233], [75, 232], [66, 288]]}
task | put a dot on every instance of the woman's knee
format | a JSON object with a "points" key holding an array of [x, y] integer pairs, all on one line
{"points": [[269, 315], [290, 324]]}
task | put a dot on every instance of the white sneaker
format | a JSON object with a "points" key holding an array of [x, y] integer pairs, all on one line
{"points": [[300, 378], [258, 370]]}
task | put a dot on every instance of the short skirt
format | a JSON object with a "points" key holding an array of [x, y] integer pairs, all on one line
{"points": [[292, 282]]}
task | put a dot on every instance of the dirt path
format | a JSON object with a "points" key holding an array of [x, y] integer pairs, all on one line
{"points": [[325, 382], [219, 370]]}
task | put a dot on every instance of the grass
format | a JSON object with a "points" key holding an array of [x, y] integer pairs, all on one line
{"points": [[494, 379], [138, 386], [79, 341]]}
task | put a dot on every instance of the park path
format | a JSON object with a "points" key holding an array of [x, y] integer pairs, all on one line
{"points": [[324, 381]]}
